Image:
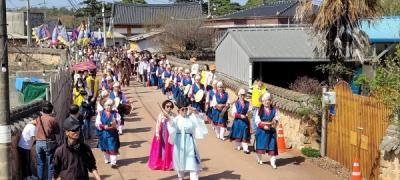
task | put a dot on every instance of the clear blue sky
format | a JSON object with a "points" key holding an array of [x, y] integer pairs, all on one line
{"points": [[64, 3]]}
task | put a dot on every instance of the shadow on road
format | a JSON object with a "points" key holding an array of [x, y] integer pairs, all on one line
{"points": [[133, 144], [222, 175], [292, 160], [127, 162], [101, 176], [137, 130]]}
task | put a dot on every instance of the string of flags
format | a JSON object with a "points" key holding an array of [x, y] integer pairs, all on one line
{"points": [[81, 35]]}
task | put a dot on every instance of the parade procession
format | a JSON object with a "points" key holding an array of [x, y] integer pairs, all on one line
{"points": [[189, 90]]}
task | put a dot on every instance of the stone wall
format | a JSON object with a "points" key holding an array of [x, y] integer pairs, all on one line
{"points": [[20, 116], [390, 153], [35, 58]]}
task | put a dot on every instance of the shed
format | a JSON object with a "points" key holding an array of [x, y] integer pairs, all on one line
{"points": [[147, 41], [250, 53]]}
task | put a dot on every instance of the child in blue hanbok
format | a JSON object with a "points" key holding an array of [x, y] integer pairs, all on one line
{"points": [[266, 119]]}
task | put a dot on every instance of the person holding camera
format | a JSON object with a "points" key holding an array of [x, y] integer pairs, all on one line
{"points": [[79, 92], [46, 143]]}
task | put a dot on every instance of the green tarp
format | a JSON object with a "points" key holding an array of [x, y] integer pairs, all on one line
{"points": [[33, 91]]}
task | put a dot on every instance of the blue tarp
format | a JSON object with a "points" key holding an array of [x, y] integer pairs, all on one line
{"points": [[384, 30]]}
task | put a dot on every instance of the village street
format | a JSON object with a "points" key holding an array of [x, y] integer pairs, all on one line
{"points": [[220, 159]]}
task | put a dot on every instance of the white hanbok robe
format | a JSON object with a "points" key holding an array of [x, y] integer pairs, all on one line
{"points": [[183, 132]]}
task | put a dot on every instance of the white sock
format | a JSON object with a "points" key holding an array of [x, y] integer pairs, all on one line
{"points": [[273, 161], [120, 128], [221, 132], [259, 157], [194, 175], [181, 175], [216, 129], [113, 159], [245, 146], [237, 144], [106, 158]]}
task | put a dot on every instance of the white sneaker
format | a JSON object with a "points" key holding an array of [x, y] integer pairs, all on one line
{"points": [[260, 162], [238, 148], [273, 162], [222, 138]]}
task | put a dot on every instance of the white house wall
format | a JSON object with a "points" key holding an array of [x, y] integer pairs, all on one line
{"points": [[150, 45], [232, 60]]}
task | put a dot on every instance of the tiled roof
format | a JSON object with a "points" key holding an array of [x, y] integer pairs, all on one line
{"points": [[140, 14], [282, 8]]}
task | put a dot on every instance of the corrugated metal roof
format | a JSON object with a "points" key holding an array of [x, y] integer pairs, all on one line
{"points": [[283, 8], [275, 44], [143, 36], [140, 14]]}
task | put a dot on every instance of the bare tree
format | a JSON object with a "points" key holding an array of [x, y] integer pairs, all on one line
{"points": [[184, 36]]}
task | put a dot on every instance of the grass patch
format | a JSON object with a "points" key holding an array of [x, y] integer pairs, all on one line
{"points": [[310, 152]]}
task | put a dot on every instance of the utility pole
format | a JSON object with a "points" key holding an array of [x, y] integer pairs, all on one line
{"points": [[209, 8], [28, 24], [104, 25], [324, 122], [5, 131]]}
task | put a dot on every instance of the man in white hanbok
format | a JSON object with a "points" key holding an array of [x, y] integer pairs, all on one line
{"points": [[183, 130]]}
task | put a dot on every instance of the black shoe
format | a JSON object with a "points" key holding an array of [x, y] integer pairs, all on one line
{"points": [[246, 152], [114, 166]]}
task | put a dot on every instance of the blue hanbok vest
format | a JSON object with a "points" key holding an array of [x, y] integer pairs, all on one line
{"points": [[210, 109], [197, 105], [167, 74], [108, 139], [187, 81], [240, 127], [266, 139], [217, 118]]}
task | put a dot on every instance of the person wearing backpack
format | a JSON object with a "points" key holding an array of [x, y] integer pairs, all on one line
{"points": [[46, 143]]}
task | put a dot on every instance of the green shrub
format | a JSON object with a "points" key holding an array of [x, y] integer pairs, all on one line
{"points": [[310, 152]]}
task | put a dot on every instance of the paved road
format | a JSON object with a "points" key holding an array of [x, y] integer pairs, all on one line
{"points": [[220, 160]]}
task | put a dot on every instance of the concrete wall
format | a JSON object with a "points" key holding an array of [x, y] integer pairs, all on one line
{"points": [[16, 21]]}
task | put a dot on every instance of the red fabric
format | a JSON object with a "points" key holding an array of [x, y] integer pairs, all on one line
{"points": [[111, 152], [260, 125], [237, 116], [84, 66], [102, 126]]}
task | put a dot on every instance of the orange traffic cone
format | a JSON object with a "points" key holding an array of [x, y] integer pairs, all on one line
{"points": [[356, 174], [281, 140]]}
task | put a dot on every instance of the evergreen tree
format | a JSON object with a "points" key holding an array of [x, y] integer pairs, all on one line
{"points": [[254, 3], [222, 7]]}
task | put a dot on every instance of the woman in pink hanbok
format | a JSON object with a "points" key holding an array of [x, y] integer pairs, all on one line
{"points": [[161, 150]]}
